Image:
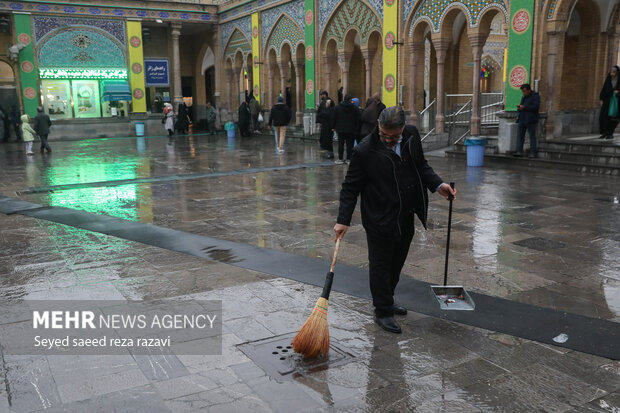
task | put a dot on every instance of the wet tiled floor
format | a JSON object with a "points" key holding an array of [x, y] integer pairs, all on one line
{"points": [[543, 237]]}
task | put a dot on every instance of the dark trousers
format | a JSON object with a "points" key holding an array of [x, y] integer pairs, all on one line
{"points": [[211, 127], [44, 144], [531, 131], [327, 139], [607, 125], [385, 261], [255, 122], [349, 140]]}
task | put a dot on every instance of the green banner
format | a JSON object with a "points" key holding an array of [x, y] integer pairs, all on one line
{"points": [[309, 38], [519, 50], [23, 30]]}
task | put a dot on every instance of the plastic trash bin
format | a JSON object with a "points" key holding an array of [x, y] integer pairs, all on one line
{"points": [[139, 128], [231, 129], [475, 151]]}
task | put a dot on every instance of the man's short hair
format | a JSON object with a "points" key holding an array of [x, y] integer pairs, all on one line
{"points": [[526, 86], [347, 98], [40, 109], [392, 118]]}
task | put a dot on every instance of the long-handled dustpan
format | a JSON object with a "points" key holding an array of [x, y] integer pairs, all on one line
{"points": [[451, 297]]}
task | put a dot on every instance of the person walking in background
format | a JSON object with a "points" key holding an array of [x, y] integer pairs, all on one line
{"points": [[288, 98], [254, 112], [42, 124], [211, 117], [371, 113], [528, 120], [611, 90], [28, 134], [16, 121], [325, 116], [244, 119], [182, 124], [347, 122], [169, 121], [279, 118]]}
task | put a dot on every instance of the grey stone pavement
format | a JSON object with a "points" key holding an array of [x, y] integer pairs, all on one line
{"points": [[537, 236]]}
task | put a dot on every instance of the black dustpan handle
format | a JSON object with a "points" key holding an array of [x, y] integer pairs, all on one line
{"points": [[445, 273]]}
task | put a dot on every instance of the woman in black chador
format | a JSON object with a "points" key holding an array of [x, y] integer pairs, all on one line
{"points": [[182, 124], [610, 87]]}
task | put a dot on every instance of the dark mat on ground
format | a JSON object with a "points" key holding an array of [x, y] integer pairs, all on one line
{"points": [[585, 334]]}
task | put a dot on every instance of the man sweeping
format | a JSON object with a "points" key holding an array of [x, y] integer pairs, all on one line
{"points": [[390, 172]]}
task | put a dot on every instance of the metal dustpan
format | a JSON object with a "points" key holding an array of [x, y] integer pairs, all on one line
{"points": [[451, 297]]}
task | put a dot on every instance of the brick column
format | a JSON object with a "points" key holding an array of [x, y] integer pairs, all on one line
{"points": [[329, 63], [552, 58], [477, 41], [229, 78], [176, 64], [441, 48], [270, 76], [285, 72], [299, 87], [368, 54], [346, 61], [416, 49]]}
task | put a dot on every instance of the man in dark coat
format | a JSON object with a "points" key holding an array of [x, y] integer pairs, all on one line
{"points": [[244, 119], [390, 172], [371, 113], [16, 121], [528, 120], [325, 116], [347, 122], [41, 126], [279, 118]]}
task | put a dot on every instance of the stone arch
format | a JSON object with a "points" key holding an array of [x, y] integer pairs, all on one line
{"points": [[7, 73], [80, 47], [488, 14], [237, 42], [286, 30], [208, 60], [351, 14], [450, 15], [436, 11]]}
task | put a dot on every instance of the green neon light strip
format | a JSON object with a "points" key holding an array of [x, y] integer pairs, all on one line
{"points": [[83, 73], [58, 3]]}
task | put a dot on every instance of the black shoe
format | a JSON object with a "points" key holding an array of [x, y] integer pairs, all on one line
{"points": [[603, 137], [330, 155], [388, 324], [532, 155], [518, 154], [609, 137], [399, 309]]}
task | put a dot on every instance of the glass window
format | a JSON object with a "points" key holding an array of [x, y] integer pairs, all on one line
{"points": [[57, 98], [86, 98], [118, 108]]}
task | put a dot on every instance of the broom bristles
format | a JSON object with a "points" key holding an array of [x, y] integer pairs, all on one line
{"points": [[312, 340]]}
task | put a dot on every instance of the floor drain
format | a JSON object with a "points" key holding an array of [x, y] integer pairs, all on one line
{"points": [[276, 357]]}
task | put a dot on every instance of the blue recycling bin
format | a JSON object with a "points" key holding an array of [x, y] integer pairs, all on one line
{"points": [[231, 129], [139, 128], [475, 151]]}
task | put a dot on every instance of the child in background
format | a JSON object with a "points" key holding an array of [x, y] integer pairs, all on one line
{"points": [[28, 134]]}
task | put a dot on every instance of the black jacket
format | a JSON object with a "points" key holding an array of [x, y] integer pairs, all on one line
{"points": [[325, 114], [347, 118], [42, 124], [280, 115], [531, 106], [392, 188], [606, 93]]}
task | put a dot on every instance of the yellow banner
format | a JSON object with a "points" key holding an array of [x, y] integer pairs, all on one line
{"points": [[256, 56], [390, 53], [136, 66]]}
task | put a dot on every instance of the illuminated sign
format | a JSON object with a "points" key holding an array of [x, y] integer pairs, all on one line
{"points": [[83, 73]]}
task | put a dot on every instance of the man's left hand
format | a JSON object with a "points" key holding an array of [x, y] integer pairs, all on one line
{"points": [[445, 190]]}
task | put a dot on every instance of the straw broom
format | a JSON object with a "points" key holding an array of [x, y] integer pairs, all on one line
{"points": [[312, 340]]}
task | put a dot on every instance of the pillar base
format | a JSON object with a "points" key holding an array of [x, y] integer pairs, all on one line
{"points": [[440, 125]]}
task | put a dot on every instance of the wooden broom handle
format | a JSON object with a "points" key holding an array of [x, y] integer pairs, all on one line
{"points": [[335, 254]]}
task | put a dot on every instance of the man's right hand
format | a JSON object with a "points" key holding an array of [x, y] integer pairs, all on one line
{"points": [[340, 230]]}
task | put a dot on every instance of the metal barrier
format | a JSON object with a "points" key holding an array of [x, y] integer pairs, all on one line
{"points": [[426, 118]]}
